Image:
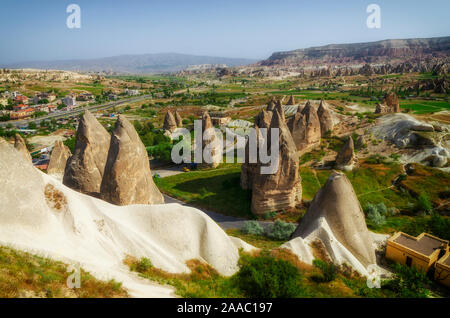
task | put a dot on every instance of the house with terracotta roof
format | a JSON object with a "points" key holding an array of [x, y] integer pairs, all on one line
{"points": [[21, 99], [422, 251], [22, 113], [52, 108], [20, 107]]}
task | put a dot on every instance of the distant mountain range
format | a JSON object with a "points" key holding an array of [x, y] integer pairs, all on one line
{"points": [[135, 64], [386, 51]]}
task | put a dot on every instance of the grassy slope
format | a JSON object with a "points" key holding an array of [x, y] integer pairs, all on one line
{"points": [[216, 190], [26, 275], [219, 190], [204, 281]]}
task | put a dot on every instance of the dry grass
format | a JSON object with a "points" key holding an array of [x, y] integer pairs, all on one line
{"points": [[55, 198], [202, 281], [26, 275], [319, 251]]}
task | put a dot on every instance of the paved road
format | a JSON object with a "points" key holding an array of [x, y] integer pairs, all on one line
{"points": [[56, 115], [225, 221]]}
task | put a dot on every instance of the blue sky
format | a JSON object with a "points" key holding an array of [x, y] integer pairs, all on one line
{"points": [[36, 30]]}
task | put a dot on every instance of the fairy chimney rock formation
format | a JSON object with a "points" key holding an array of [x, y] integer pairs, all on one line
{"points": [[209, 143], [271, 105], [263, 119], [178, 119], [336, 207], [346, 156], [21, 146], [170, 123], [128, 179], [390, 104], [280, 109], [84, 169], [280, 189], [391, 100], [325, 118], [305, 128], [250, 169], [291, 100], [58, 159]]}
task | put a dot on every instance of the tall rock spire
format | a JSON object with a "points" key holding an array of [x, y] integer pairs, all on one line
{"points": [[128, 179], [337, 203], [84, 169], [325, 118], [282, 188]]}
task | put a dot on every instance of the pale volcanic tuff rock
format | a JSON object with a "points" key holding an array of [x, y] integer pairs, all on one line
{"points": [[96, 234], [391, 100], [170, 123], [250, 169], [335, 218], [128, 179], [178, 119], [325, 118], [84, 169], [263, 119], [346, 156], [279, 107], [21, 146], [389, 105], [291, 100], [282, 188], [305, 128], [209, 142], [271, 105], [58, 159]]}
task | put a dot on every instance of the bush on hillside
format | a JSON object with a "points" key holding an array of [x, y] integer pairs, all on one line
{"points": [[280, 230], [424, 204], [328, 271], [144, 265], [268, 277], [408, 282], [439, 226], [252, 227], [376, 213], [270, 215]]}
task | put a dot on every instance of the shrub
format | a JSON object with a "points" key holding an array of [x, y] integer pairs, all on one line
{"points": [[382, 209], [270, 215], [267, 277], [252, 227], [392, 211], [439, 226], [328, 271], [162, 151], [376, 159], [280, 230], [70, 143], [376, 213], [424, 204], [376, 218], [395, 156], [408, 282], [144, 265]]}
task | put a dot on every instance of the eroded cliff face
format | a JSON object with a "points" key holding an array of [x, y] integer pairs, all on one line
{"points": [[370, 52]]}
